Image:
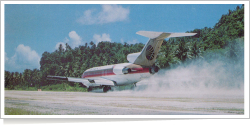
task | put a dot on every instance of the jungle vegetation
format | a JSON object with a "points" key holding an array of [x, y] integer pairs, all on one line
{"points": [[224, 40]]}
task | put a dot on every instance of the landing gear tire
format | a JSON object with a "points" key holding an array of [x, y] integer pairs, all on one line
{"points": [[99, 89], [106, 88], [133, 86], [89, 89]]}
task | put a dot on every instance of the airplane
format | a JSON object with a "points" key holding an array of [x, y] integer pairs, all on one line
{"points": [[141, 65]]}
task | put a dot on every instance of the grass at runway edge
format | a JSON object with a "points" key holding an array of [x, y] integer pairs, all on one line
{"points": [[18, 111]]}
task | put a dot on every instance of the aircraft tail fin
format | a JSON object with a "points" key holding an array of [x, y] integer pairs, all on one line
{"points": [[147, 57]]}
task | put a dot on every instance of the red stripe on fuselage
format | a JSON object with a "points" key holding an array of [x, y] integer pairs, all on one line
{"points": [[109, 72], [98, 73], [139, 70]]}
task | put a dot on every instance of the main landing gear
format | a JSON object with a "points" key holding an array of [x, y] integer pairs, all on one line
{"points": [[99, 89]]}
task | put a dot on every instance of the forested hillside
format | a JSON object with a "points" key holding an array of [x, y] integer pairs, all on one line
{"points": [[224, 40]]}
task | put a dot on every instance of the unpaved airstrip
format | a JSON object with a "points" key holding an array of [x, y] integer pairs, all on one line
{"points": [[127, 102]]}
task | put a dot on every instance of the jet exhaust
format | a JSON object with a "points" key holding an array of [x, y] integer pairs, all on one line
{"points": [[154, 69]]}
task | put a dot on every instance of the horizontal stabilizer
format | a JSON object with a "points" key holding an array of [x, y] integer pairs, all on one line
{"points": [[181, 34], [162, 35], [149, 34]]}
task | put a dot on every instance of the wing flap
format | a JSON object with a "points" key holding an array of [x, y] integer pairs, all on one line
{"points": [[70, 79], [101, 81], [57, 78]]}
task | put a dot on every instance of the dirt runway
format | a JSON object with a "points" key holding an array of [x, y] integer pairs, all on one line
{"points": [[124, 103]]}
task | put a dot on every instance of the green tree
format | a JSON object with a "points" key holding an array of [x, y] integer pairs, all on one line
{"points": [[27, 76]]}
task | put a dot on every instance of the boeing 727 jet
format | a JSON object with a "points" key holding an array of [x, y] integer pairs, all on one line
{"points": [[141, 65]]}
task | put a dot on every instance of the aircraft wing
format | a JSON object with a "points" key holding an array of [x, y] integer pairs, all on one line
{"points": [[102, 81], [86, 82], [147, 56]]}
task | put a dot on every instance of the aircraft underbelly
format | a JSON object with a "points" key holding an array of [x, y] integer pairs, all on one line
{"points": [[128, 78]]}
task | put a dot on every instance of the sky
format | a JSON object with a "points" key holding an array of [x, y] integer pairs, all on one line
{"points": [[32, 29]]}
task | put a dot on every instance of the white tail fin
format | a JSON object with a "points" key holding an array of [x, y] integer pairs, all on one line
{"points": [[148, 54]]}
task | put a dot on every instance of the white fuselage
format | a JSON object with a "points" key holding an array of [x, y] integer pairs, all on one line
{"points": [[118, 73]]}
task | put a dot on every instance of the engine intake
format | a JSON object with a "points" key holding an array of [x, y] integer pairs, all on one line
{"points": [[121, 69], [154, 69], [126, 70]]}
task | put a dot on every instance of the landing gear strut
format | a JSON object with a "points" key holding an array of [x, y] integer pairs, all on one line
{"points": [[106, 88], [134, 84], [89, 89], [99, 89]]}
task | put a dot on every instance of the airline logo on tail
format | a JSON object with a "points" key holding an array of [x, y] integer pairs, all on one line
{"points": [[150, 52], [147, 56]]}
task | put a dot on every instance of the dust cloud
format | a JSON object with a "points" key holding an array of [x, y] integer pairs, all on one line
{"points": [[220, 77]]}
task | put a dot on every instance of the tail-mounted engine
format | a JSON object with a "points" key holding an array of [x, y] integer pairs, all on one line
{"points": [[126, 70], [154, 69], [120, 69]]}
